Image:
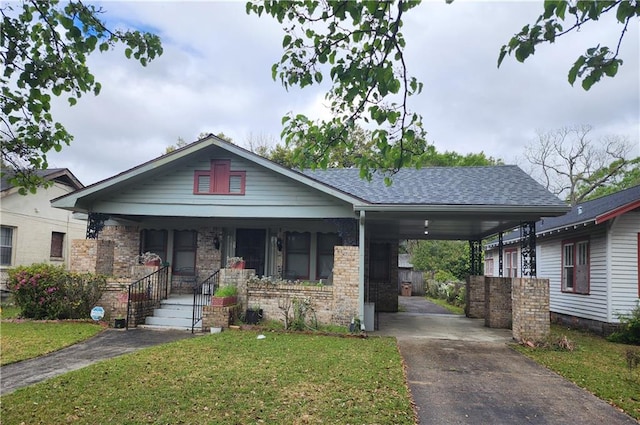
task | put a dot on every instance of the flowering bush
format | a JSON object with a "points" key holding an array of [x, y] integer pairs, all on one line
{"points": [[44, 291], [452, 292]]}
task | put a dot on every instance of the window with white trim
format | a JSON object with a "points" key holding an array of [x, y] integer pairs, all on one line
{"points": [[297, 255], [510, 264], [575, 266], [326, 243], [6, 245]]}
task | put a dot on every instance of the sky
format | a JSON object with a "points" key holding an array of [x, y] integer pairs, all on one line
{"points": [[215, 76]]}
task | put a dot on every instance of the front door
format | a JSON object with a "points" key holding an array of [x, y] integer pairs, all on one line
{"points": [[250, 245]]}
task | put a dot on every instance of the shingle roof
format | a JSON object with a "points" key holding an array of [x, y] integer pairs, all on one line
{"points": [[491, 185], [589, 210], [61, 174]]}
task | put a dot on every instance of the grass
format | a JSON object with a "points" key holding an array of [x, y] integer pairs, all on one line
{"points": [[443, 303], [21, 340], [9, 311], [229, 378], [595, 364]]}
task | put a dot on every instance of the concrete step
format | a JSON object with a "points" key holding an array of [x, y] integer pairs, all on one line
{"points": [[181, 313], [172, 322]]}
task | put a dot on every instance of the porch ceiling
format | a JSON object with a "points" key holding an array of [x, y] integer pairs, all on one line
{"points": [[454, 224]]}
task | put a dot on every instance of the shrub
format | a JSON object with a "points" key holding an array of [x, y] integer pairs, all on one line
{"points": [[629, 332], [226, 291], [452, 292], [45, 291]]}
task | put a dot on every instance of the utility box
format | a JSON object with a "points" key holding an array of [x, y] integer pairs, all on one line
{"points": [[406, 289]]}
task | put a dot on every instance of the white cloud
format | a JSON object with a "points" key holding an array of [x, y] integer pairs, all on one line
{"points": [[215, 76]]}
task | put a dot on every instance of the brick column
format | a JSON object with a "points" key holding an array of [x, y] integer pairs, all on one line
{"points": [[497, 295], [345, 284], [92, 256], [475, 297], [531, 321]]}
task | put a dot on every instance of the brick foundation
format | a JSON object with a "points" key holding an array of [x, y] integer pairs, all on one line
{"points": [[497, 295], [595, 326], [531, 318]]}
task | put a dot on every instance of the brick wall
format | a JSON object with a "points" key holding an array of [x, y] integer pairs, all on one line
{"points": [[126, 241], [497, 294], [92, 256], [531, 319], [475, 308], [219, 317], [114, 300], [276, 300], [595, 326]]}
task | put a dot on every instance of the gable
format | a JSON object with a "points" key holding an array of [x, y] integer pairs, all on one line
{"points": [[205, 185]]}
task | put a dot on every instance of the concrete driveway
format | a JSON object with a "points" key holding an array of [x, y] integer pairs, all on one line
{"points": [[460, 372]]}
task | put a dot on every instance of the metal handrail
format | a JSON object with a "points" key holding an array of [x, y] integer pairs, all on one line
{"points": [[145, 295], [202, 293]]}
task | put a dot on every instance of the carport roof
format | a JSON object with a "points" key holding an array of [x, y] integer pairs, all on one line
{"points": [[465, 203], [503, 185]]}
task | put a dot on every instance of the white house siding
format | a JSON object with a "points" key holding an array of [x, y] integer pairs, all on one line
{"points": [[33, 220], [549, 264], [624, 264], [267, 194]]}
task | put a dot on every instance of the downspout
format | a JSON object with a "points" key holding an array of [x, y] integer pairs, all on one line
{"points": [[361, 245]]}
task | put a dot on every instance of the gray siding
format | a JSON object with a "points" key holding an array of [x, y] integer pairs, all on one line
{"points": [[592, 306], [268, 194], [624, 263]]}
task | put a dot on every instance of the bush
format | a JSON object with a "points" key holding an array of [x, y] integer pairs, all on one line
{"points": [[629, 332], [453, 292], [45, 291]]}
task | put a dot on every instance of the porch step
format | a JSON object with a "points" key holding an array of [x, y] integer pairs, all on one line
{"points": [[174, 313]]}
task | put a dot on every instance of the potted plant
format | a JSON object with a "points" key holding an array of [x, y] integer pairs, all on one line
{"points": [[149, 259], [225, 296], [253, 315], [235, 263]]}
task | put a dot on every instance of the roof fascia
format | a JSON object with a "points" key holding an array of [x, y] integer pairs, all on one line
{"points": [[617, 211], [443, 208]]}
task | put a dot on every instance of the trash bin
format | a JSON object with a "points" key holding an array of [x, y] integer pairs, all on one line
{"points": [[406, 289]]}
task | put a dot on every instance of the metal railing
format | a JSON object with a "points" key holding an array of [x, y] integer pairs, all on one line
{"points": [[145, 295], [202, 293]]}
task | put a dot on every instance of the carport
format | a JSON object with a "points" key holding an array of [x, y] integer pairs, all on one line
{"points": [[445, 203]]}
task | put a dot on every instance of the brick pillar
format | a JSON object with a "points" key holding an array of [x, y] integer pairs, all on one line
{"points": [[237, 278], [345, 284], [531, 321], [497, 295], [92, 256], [475, 297]]}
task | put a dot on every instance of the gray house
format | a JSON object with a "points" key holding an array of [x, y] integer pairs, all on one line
{"points": [[590, 256], [211, 200]]}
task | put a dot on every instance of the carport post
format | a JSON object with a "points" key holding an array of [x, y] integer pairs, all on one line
{"points": [[361, 270]]}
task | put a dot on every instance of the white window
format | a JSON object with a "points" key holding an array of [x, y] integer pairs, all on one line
{"points": [[575, 266], [6, 245], [511, 262]]}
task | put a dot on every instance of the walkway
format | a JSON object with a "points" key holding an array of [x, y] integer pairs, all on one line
{"points": [[107, 344], [461, 372]]}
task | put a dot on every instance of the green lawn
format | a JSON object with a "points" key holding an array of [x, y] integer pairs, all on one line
{"points": [[595, 364], [21, 340], [229, 378]]}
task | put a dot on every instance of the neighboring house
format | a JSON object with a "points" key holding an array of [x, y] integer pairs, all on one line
{"points": [[590, 256], [31, 230], [211, 200]]}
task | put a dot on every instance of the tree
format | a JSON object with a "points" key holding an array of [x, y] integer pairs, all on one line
{"points": [[570, 164], [44, 48], [447, 256], [597, 61], [359, 46]]}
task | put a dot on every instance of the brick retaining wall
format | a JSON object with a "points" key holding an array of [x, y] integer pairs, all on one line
{"points": [[497, 295], [475, 308]]}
